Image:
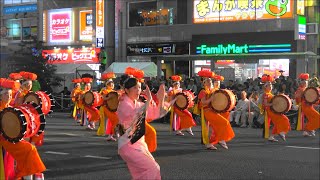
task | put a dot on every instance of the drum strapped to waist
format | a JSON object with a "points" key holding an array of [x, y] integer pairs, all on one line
{"points": [[184, 100], [311, 95], [223, 101], [280, 104], [39, 98], [21, 122], [92, 99], [113, 101]]}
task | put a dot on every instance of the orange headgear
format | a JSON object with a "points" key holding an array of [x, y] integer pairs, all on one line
{"points": [[129, 71], [78, 80], [107, 77], [28, 75], [206, 74], [304, 76], [87, 80], [15, 76], [218, 78], [176, 78], [267, 78], [137, 73], [9, 84]]}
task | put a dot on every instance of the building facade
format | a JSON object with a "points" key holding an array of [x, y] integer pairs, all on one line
{"points": [[239, 39], [19, 27]]}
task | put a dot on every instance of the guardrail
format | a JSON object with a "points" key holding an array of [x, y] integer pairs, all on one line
{"points": [[62, 102]]}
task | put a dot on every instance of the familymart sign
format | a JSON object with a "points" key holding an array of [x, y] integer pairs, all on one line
{"points": [[242, 48]]}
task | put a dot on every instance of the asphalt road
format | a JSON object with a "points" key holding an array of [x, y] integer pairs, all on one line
{"points": [[71, 152]]}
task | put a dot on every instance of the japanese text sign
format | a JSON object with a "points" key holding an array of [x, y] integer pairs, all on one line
{"points": [[86, 25], [99, 21], [60, 26], [72, 56], [208, 11]]}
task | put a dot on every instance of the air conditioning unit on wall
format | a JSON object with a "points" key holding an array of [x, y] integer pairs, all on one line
{"points": [[312, 28]]}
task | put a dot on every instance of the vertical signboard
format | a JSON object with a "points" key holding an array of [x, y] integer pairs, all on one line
{"points": [[85, 25], [300, 7], [99, 23], [300, 28], [60, 26]]}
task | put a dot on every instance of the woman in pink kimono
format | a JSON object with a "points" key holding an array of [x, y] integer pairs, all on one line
{"points": [[140, 162]]}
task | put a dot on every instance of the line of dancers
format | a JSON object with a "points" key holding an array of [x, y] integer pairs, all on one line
{"points": [[22, 123], [125, 115]]}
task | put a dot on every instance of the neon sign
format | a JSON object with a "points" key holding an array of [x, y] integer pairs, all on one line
{"points": [[71, 56], [242, 48], [60, 26]]}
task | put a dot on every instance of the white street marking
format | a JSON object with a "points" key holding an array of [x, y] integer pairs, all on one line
{"points": [[53, 152], [97, 157], [69, 134], [299, 147]]}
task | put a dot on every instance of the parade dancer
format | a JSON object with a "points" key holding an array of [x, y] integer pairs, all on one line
{"points": [[26, 86], [221, 130], [140, 162], [15, 77], [105, 113], [24, 153], [90, 114], [280, 121], [179, 119], [75, 99], [306, 109]]}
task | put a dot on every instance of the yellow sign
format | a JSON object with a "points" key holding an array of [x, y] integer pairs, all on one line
{"points": [[86, 25], [300, 7], [208, 11]]}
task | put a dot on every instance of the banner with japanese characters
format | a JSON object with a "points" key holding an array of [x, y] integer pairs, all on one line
{"points": [[72, 56], [60, 26], [86, 25], [208, 11]]}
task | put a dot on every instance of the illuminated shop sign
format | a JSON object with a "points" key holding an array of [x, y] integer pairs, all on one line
{"points": [[86, 25], [300, 27], [300, 7], [72, 56], [20, 9], [208, 11], [99, 23], [60, 26], [242, 48], [157, 49]]}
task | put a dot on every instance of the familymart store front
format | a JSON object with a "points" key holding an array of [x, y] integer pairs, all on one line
{"points": [[240, 56]]}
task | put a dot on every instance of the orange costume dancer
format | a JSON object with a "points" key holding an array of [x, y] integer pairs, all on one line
{"points": [[74, 97], [15, 77], [90, 114], [280, 121], [25, 154], [306, 109], [26, 86], [222, 131], [106, 113], [179, 119]]}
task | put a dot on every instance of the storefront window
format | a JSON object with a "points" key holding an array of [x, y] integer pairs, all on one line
{"points": [[8, 2], [152, 13], [273, 66], [14, 29], [21, 29]]}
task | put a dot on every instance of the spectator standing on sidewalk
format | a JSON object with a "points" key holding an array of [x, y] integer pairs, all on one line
{"points": [[103, 59]]}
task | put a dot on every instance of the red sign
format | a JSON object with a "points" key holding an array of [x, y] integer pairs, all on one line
{"points": [[72, 56], [60, 26]]}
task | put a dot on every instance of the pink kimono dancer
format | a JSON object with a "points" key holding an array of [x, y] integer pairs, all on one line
{"points": [[140, 162]]}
